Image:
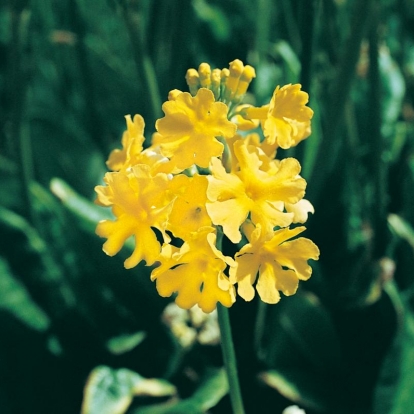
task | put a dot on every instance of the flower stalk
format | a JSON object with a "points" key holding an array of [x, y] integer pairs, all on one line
{"points": [[229, 358]]}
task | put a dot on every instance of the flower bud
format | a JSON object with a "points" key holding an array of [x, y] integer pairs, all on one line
{"points": [[193, 81], [204, 72]]}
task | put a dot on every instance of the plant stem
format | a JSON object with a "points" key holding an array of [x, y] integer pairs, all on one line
{"points": [[378, 166], [145, 67], [19, 131], [229, 357], [259, 327]]}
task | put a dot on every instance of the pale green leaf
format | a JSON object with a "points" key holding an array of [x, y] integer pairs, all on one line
{"points": [[87, 212], [124, 343], [15, 299], [402, 228], [111, 391], [296, 386], [212, 389]]}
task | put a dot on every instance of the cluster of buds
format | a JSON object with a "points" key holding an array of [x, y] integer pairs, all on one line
{"points": [[211, 173], [228, 85]]}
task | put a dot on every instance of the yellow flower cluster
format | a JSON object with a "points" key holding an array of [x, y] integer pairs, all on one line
{"points": [[201, 180]]}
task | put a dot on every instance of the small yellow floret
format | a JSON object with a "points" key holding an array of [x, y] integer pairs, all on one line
{"points": [[225, 73], [215, 82], [193, 81], [204, 72], [235, 70], [246, 77], [276, 261], [173, 94]]}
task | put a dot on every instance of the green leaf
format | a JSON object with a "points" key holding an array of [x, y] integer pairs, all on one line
{"points": [[88, 213], [394, 392], [214, 17], [212, 389], [15, 298], [297, 386], [124, 343], [393, 92], [31, 260], [312, 144], [290, 59], [110, 391], [309, 326], [304, 356], [402, 228]]}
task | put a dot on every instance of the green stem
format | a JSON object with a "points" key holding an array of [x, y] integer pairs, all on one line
{"points": [[229, 357], [19, 131], [259, 327], [145, 67], [378, 166], [262, 30]]}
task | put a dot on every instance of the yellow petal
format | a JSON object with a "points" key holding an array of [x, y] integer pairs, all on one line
{"points": [[300, 210], [245, 275], [230, 214], [294, 255], [266, 285]]}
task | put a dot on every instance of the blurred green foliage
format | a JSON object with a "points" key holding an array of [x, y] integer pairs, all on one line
{"points": [[69, 72]]}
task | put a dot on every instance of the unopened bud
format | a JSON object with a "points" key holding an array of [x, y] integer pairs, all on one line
{"points": [[215, 82], [204, 72], [172, 96], [246, 77], [193, 81], [236, 69]]}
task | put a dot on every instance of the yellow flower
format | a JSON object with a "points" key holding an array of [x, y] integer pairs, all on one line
{"points": [[189, 129], [139, 204], [280, 263], [286, 120], [195, 272], [188, 213], [199, 174], [251, 190], [132, 141]]}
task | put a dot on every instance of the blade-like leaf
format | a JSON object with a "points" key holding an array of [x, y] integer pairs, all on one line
{"points": [[212, 389], [125, 343], [88, 213], [402, 228], [296, 386], [394, 392], [15, 298]]}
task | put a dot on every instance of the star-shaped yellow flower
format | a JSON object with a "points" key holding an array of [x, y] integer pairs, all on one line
{"points": [[132, 141], [190, 127], [286, 120], [251, 190], [195, 272], [139, 203], [279, 262]]}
